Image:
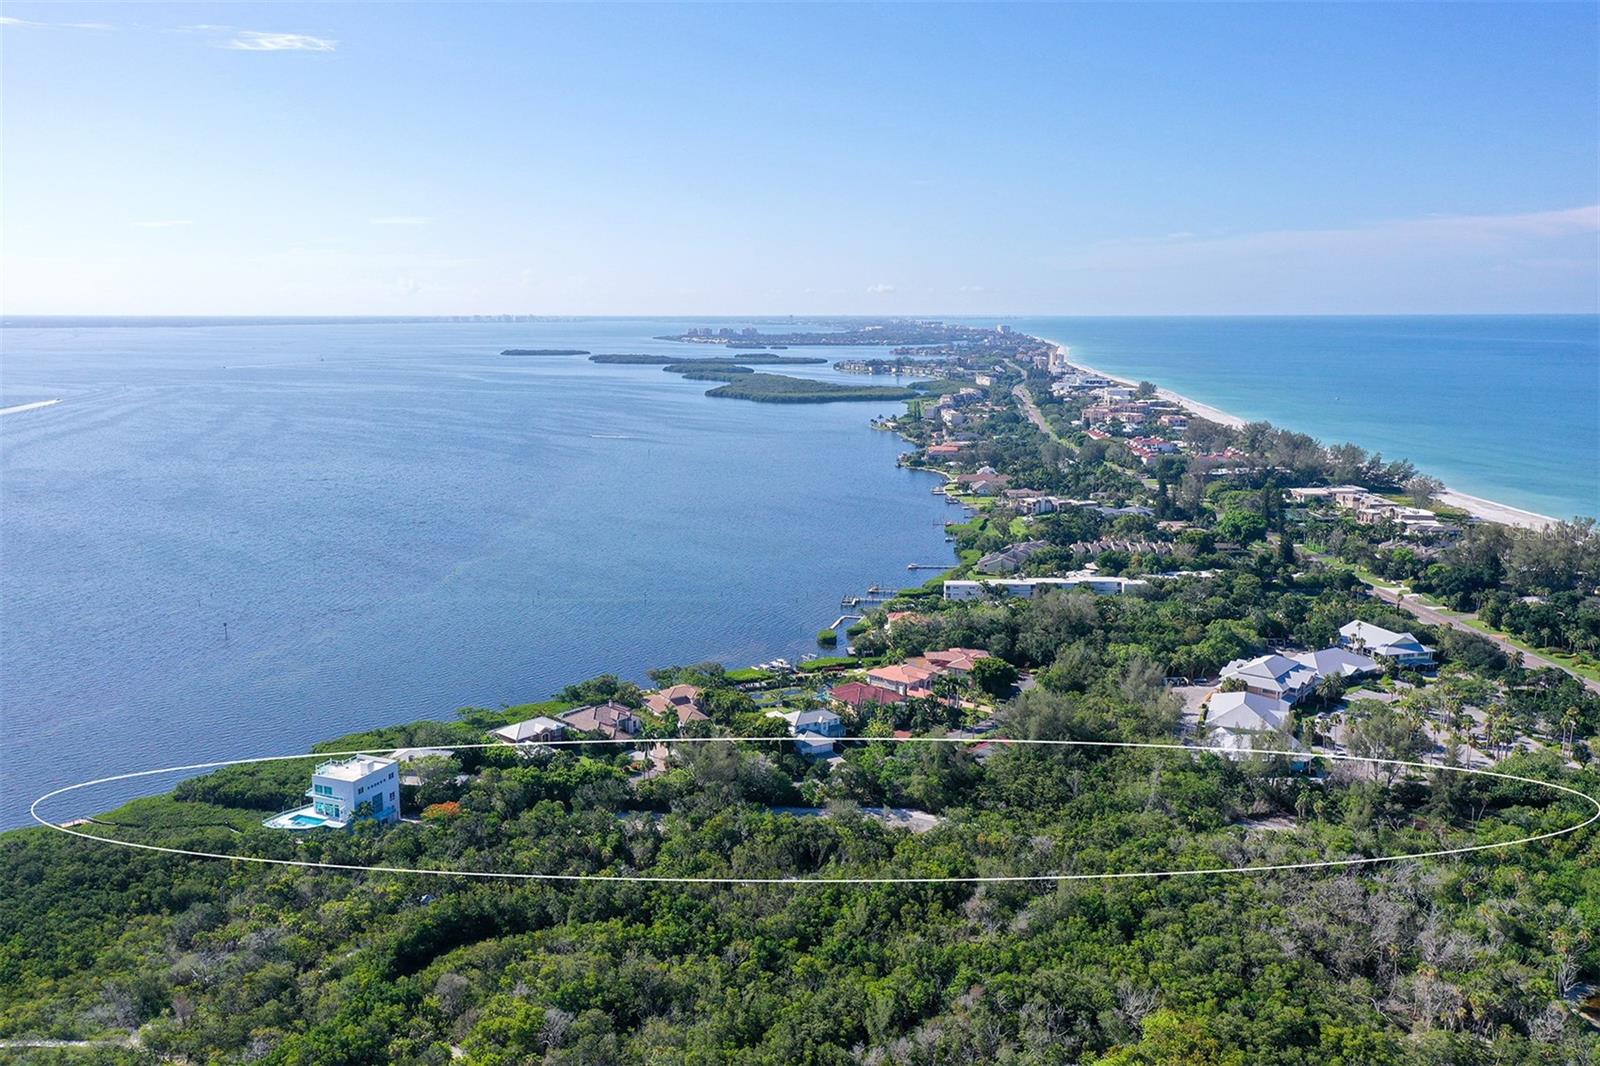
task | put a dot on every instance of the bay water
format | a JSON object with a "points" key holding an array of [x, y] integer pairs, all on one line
{"points": [[229, 541]]}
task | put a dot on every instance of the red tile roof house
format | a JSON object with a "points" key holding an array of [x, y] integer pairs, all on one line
{"points": [[857, 694], [682, 700], [910, 678], [608, 719], [956, 661]]}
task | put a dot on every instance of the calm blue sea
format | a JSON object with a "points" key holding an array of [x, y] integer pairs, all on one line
{"points": [[1503, 407], [393, 521]]}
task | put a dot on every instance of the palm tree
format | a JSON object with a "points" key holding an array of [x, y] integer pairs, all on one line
{"points": [[1569, 727]]}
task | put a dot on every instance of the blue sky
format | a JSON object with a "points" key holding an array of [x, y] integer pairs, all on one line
{"points": [[1072, 159]]}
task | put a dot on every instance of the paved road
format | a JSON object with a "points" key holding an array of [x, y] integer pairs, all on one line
{"points": [[1438, 618], [1031, 409]]}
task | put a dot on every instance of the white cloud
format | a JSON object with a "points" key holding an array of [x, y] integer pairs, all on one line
{"points": [[257, 41], [879, 290], [164, 223], [401, 220], [8, 20]]}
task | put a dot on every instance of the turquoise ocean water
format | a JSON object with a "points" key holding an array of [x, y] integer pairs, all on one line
{"points": [[1503, 407]]}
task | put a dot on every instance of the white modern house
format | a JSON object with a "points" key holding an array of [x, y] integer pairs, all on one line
{"points": [[1381, 643], [1245, 721], [342, 787], [1275, 676]]}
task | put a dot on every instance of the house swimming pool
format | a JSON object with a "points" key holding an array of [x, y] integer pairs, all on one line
{"points": [[302, 818]]}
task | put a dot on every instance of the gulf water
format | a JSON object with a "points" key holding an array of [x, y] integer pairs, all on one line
{"points": [[1502, 407]]}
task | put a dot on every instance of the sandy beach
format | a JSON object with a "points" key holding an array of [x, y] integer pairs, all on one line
{"points": [[1477, 506], [1204, 410], [1490, 511]]}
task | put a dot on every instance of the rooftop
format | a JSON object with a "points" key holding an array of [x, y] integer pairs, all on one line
{"points": [[531, 729], [1245, 711], [354, 768]]}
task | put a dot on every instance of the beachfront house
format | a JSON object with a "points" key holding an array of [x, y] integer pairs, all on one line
{"points": [[1378, 642], [531, 731], [1370, 509], [1275, 676], [343, 791]]}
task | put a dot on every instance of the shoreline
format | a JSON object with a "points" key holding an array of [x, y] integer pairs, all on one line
{"points": [[1477, 506]]}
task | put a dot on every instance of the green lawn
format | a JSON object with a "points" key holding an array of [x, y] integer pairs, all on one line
{"points": [[1582, 665]]}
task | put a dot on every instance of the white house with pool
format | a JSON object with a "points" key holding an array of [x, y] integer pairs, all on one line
{"points": [[339, 787]]}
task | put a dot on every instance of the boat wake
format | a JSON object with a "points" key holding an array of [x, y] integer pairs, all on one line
{"points": [[21, 407]]}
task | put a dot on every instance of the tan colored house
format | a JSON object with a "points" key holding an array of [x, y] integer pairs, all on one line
{"points": [[610, 720], [681, 700]]}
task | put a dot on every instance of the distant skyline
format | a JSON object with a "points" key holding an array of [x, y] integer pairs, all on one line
{"points": [[303, 159]]}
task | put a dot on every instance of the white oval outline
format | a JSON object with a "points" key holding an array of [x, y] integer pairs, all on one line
{"points": [[1114, 875]]}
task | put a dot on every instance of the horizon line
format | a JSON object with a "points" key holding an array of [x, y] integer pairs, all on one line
{"points": [[17, 318]]}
